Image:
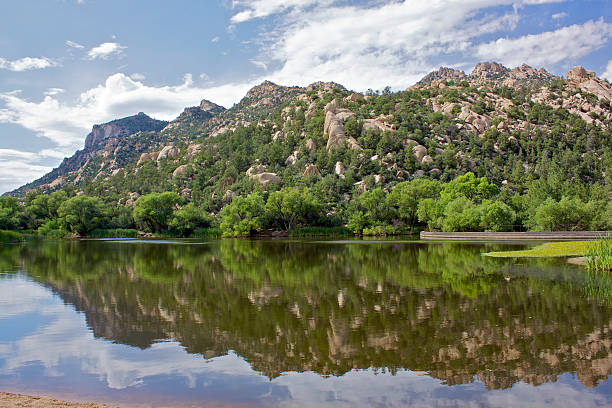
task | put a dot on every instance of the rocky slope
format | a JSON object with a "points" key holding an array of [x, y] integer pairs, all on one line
{"points": [[103, 140], [496, 122]]}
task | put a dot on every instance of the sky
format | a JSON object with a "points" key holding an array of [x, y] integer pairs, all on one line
{"points": [[66, 65]]}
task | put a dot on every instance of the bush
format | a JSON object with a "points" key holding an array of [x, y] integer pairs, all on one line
{"points": [[7, 237]]}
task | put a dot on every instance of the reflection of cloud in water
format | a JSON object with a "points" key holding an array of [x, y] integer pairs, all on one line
{"points": [[65, 337]]}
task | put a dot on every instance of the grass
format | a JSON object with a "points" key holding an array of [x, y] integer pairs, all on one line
{"points": [[599, 256], [321, 231], [549, 249], [8, 237], [113, 233]]}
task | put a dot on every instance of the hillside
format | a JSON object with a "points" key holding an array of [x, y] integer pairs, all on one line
{"points": [[511, 126]]}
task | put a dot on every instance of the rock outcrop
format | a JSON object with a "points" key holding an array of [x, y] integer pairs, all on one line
{"points": [[333, 128]]}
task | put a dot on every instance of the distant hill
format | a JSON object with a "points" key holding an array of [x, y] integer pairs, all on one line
{"points": [[507, 124]]}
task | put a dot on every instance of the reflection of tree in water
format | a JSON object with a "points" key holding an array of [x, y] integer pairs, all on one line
{"points": [[331, 308]]}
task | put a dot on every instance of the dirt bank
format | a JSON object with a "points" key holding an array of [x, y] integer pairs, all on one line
{"points": [[21, 401]]}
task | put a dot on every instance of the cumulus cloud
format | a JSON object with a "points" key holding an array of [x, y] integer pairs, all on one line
{"points": [[105, 50], [27, 63], [67, 123], [374, 46], [608, 74], [559, 16], [550, 47]]}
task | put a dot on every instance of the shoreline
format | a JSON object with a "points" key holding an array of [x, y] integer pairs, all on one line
{"points": [[514, 236], [10, 400]]}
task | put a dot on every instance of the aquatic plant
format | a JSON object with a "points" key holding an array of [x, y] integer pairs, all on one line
{"points": [[599, 255]]}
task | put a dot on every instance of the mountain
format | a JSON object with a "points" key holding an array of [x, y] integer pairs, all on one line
{"points": [[510, 125], [105, 139]]}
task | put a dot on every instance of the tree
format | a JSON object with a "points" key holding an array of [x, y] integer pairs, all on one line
{"points": [[82, 214], [189, 218], [243, 216], [290, 206], [406, 196], [152, 212], [498, 216], [11, 213]]}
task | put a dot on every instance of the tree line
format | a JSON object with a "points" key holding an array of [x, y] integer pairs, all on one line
{"points": [[467, 203]]}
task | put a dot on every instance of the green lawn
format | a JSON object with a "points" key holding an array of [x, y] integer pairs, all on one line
{"points": [[549, 249]]}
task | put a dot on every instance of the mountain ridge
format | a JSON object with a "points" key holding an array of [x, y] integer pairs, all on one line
{"points": [[487, 102]]}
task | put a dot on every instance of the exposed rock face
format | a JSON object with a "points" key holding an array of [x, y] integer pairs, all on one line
{"points": [[587, 81], [292, 159], [122, 127], [210, 107], [334, 127], [168, 152], [144, 157], [579, 74], [419, 152], [311, 170], [442, 75], [310, 145], [256, 169], [339, 169], [181, 171], [258, 173], [265, 178], [488, 71]]}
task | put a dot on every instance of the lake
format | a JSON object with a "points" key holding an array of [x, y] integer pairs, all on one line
{"points": [[300, 323]]}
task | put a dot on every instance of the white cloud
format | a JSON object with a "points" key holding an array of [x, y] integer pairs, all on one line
{"points": [[251, 9], [608, 74], [391, 44], [259, 64], [136, 76], [550, 47], [54, 91], [67, 123], [215, 39], [559, 16], [27, 63], [18, 168], [73, 44], [105, 50]]}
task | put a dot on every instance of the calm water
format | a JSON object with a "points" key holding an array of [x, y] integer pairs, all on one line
{"points": [[299, 323]]}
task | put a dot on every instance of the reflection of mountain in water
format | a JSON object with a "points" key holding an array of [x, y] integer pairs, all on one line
{"points": [[331, 308]]}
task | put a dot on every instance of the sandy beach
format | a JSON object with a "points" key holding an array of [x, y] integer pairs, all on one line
{"points": [[8, 400]]}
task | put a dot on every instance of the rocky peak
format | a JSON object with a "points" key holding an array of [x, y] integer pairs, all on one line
{"points": [[266, 88], [325, 86], [441, 75], [123, 127], [488, 71], [210, 107], [579, 74]]}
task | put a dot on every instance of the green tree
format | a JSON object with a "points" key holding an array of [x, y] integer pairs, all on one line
{"points": [[406, 196], [189, 218], [11, 213], [82, 214], [290, 206], [498, 216], [152, 212], [243, 216]]}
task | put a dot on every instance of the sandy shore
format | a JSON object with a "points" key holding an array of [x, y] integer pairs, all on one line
{"points": [[8, 400]]}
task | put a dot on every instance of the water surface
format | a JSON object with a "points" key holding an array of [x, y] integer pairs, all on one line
{"points": [[299, 323]]}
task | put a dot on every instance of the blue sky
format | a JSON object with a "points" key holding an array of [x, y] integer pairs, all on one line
{"points": [[68, 64]]}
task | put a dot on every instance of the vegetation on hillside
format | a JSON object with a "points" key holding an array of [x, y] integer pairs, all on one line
{"points": [[444, 155]]}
